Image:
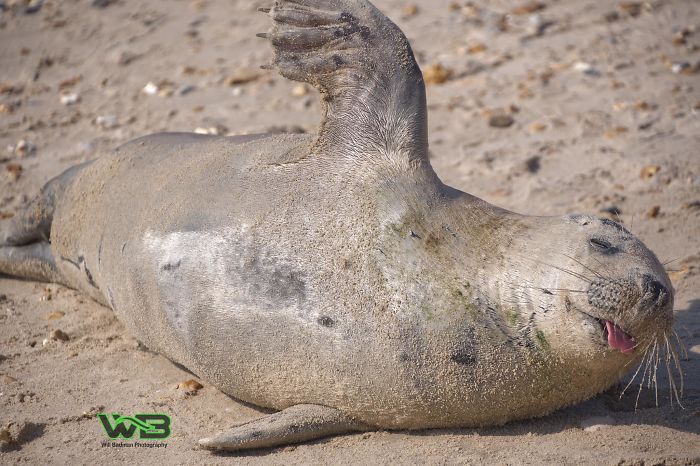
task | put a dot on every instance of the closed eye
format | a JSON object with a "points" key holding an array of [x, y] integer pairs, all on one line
{"points": [[602, 245]]}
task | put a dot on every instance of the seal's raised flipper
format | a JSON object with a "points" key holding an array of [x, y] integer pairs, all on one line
{"points": [[299, 423], [372, 88]]}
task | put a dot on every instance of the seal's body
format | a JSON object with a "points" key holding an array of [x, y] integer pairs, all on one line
{"points": [[337, 278]]}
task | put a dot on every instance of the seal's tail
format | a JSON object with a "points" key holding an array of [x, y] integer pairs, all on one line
{"points": [[25, 247]]}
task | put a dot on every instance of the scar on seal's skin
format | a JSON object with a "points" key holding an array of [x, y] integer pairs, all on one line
{"points": [[111, 298], [88, 274], [171, 266], [326, 321], [74, 264]]}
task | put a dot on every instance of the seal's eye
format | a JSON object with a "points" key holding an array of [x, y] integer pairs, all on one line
{"points": [[601, 244]]}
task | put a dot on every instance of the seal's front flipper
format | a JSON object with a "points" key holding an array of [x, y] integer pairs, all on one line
{"points": [[373, 92], [299, 423]]}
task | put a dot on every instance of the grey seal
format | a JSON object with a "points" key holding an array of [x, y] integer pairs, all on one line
{"points": [[334, 277]]}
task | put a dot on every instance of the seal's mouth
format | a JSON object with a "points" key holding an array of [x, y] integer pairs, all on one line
{"points": [[616, 337]]}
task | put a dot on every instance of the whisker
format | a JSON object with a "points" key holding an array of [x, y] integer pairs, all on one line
{"points": [[656, 381], [676, 361], [641, 362], [670, 377], [674, 357], [681, 345], [570, 272], [668, 262], [584, 266], [641, 382], [548, 289], [602, 266]]}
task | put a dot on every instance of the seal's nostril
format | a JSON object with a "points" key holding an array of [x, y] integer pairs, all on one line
{"points": [[654, 288]]}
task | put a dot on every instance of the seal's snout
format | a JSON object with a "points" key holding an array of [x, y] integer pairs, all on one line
{"points": [[612, 295], [655, 294]]}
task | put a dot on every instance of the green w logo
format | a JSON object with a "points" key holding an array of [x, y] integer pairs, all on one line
{"points": [[149, 426]]}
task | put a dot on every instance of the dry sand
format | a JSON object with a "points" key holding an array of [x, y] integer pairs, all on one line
{"points": [[604, 101]]}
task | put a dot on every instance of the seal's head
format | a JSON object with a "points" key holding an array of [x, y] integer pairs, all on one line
{"points": [[598, 290]]}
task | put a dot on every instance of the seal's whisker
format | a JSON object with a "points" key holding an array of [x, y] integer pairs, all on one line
{"points": [[669, 375], [654, 351], [602, 266], [671, 356], [656, 381], [584, 266], [641, 382], [663, 264], [545, 289], [570, 272], [676, 362], [636, 372], [681, 345]]}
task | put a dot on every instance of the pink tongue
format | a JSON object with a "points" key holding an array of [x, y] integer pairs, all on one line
{"points": [[618, 339]]}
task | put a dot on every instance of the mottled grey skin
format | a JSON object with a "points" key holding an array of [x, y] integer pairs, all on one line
{"points": [[336, 277]]}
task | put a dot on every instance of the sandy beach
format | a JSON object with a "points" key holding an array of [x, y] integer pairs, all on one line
{"points": [[543, 108]]}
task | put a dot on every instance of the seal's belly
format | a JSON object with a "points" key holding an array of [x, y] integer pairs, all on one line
{"points": [[225, 272], [252, 316]]}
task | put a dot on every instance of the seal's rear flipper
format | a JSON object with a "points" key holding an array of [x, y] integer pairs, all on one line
{"points": [[299, 423], [373, 91]]}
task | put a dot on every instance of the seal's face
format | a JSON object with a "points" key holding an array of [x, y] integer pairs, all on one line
{"points": [[616, 296]]}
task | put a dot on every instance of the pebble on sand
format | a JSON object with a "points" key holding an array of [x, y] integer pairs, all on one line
{"points": [[59, 335], [436, 74], [70, 99], [300, 90], [216, 130], [649, 171], [410, 10], [631, 8], [150, 89], [107, 121], [501, 121], [184, 89], [615, 132], [654, 212], [537, 127], [586, 68], [7, 380], [242, 76], [596, 423], [527, 8], [23, 148], [55, 315], [70, 82], [13, 171], [6, 436], [190, 385]]}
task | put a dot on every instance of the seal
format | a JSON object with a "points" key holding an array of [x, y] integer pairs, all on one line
{"points": [[334, 278]]}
